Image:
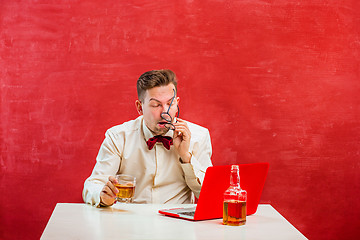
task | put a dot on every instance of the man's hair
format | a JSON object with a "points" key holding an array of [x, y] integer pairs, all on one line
{"points": [[155, 78]]}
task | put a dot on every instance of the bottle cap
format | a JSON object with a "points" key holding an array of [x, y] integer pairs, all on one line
{"points": [[234, 167]]}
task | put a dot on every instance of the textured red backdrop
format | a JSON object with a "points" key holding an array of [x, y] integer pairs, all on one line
{"points": [[274, 81]]}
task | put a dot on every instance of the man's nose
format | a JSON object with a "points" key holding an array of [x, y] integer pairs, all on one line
{"points": [[165, 108]]}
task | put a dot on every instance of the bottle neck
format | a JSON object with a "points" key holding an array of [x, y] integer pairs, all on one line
{"points": [[235, 177]]}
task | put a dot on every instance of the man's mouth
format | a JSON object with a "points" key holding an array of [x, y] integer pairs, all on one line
{"points": [[162, 123]]}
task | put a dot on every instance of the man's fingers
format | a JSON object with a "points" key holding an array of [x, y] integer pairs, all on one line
{"points": [[110, 185], [182, 130], [180, 120], [106, 198], [113, 180], [107, 192], [181, 125]]}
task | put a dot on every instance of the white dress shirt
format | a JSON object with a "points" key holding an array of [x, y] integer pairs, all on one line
{"points": [[160, 176]]}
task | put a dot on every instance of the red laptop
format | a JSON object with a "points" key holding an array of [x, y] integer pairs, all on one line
{"points": [[216, 181]]}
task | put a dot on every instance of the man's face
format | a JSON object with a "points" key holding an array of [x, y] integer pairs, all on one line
{"points": [[157, 100]]}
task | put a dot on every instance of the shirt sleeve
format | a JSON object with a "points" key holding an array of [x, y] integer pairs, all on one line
{"points": [[107, 164], [199, 162]]}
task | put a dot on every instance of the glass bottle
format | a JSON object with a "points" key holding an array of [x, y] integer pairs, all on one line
{"points": [[234, 208]]}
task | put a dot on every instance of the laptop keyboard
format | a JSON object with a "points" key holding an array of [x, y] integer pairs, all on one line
{"points": [[188, 213]]}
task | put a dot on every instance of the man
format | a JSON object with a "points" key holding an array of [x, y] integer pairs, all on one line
{"points": [[167, 155]]}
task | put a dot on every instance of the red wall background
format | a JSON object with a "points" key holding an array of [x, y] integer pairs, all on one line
{"points": [[274, 81]]}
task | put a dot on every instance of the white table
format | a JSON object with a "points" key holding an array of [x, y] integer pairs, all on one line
{"points": [[142, 221]]}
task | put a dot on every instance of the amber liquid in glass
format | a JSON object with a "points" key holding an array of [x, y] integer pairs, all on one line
{"points": [[234, 213], [125, 190]]}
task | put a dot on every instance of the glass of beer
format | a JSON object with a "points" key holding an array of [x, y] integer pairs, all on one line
{"points": [[126, 187]]}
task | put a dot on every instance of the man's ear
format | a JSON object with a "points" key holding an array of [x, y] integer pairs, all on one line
{"points": [[138, 106]]}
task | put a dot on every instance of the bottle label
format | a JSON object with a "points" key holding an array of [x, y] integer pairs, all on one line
{"points": [[234, 212]]}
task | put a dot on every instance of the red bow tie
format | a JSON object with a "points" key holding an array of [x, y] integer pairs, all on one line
{"points": [[166, 141]]}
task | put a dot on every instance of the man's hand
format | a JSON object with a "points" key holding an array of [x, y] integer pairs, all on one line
{"points": [[181, 140], [109, 191]]}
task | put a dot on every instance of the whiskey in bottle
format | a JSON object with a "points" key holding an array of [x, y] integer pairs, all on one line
{"points": [[234, 208]]}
